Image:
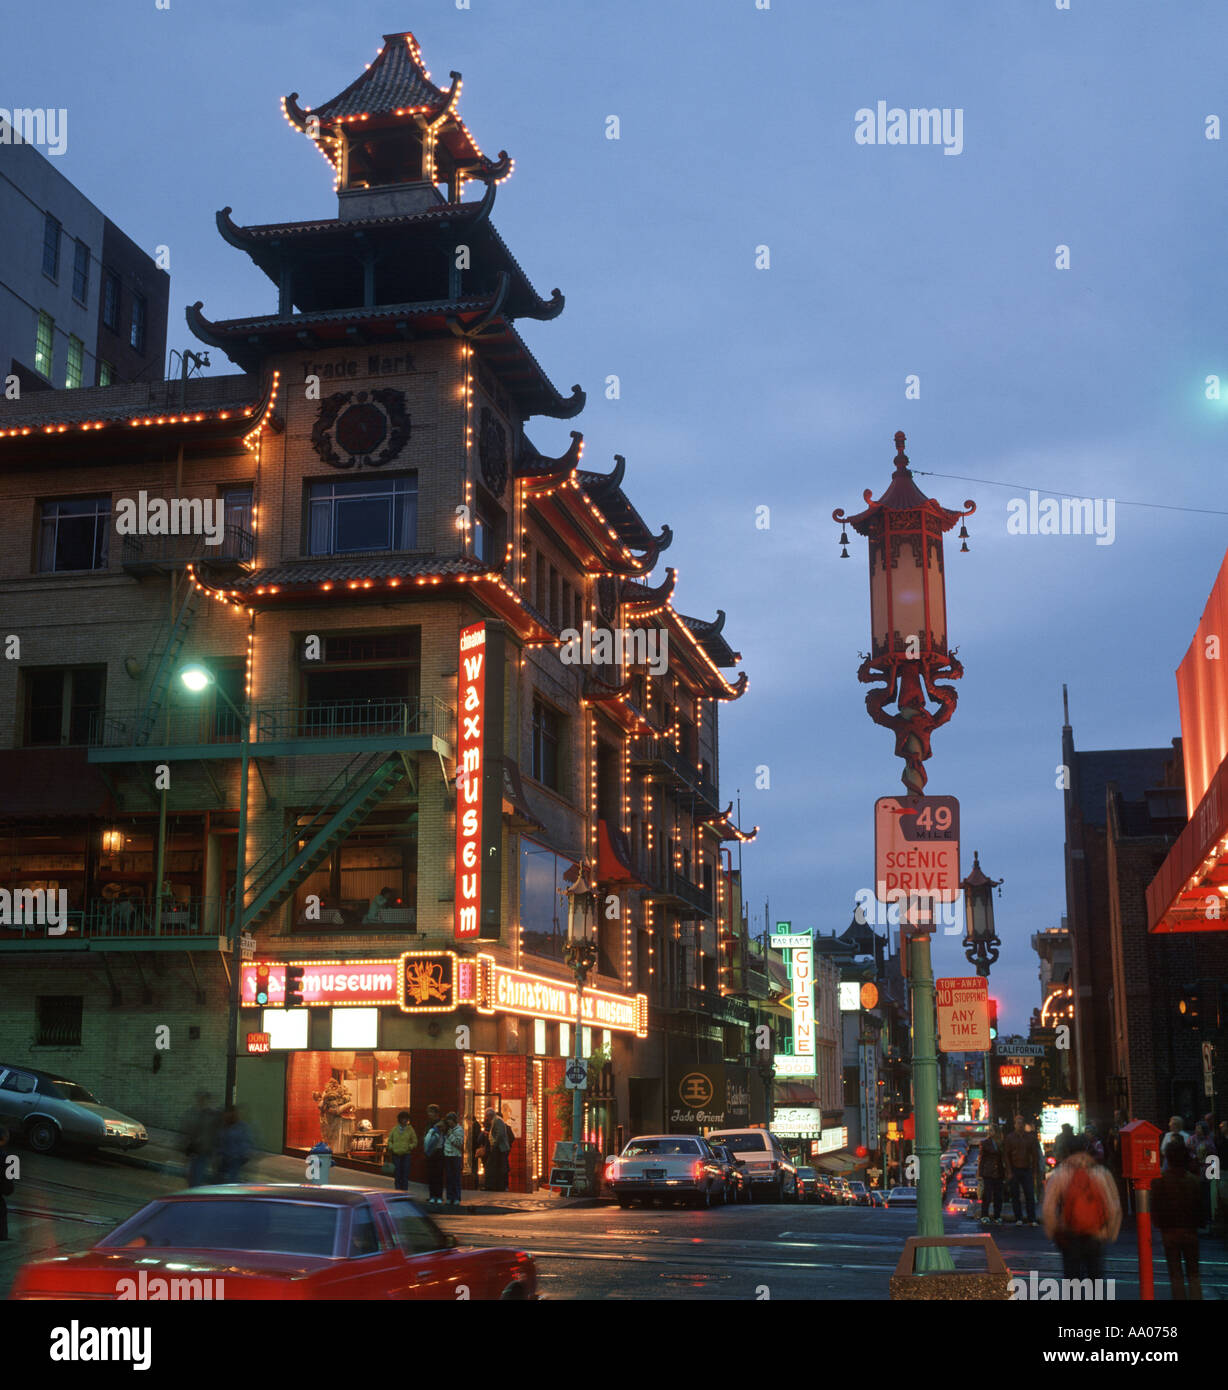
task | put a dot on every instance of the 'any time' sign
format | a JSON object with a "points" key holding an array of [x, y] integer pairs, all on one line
{"points": [[963, 1013]]}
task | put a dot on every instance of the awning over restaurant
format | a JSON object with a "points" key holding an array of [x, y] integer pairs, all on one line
{"points": [[840, 1163], [795, 1093], [45, 782]]}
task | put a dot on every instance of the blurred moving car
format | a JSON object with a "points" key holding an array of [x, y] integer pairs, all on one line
{"points": [[737, 1181], [901, 1197], [960, 1206], [968, 1180], [770, 1170], [950, 1160], [670, 1168], [46, 1109], [858, 1194], [807, 1184], [281, 1241], [878, 1198], [826, 1192]]}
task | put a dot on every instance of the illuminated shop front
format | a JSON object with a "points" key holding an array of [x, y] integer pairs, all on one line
{"points": [[374, 1037]]}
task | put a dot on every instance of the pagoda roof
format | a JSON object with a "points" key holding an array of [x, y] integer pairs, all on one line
{"points": [[708, 635], [394, 87], [902, 495], [248, 341], [606, 491], [268, 243]]}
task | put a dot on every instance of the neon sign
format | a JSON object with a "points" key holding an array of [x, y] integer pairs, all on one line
{"points": [[479, 827]]}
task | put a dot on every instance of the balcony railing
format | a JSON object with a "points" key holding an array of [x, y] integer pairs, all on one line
{"points": [[130, 917], [181, 725], [354, 719], [662, 752], [665, 882]]}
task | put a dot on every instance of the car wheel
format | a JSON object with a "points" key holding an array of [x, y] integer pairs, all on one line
{"points": [[42, 1136], [778, 1192], [624, 1202], [514, 1293], [702, 1200]]}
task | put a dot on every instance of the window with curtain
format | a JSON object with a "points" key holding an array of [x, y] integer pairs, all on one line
{"points": [[355, 515]]}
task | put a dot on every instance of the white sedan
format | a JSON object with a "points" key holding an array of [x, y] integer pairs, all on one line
{"points": [[667, 1167]]}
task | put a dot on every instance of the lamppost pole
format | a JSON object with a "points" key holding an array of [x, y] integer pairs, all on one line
{"points": [[581, 957], [196, 678], [909, 655]]}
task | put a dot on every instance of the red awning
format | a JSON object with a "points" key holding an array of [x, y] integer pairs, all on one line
{"points": [[51, 782], [795, 1093], [613, 860], [1186, 896]]}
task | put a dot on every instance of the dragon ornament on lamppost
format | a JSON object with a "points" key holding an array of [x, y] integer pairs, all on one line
{"points": [[909, 652]]}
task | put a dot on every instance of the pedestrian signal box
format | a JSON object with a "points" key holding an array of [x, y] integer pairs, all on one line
{"points": [[1140, 1152]]}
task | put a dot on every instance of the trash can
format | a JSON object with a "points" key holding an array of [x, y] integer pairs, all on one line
{"points": [[952, 1285], [319, 1163]]}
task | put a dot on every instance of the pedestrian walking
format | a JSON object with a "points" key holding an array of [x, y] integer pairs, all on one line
{"points": [[1081, 1211], [6, 1184], [432, 1151], [453, 1156], [1021, 1151], [200, 1127], [499, 1145], [1061, 1145], [1203, 1148], [1176, 1208], [1094, 1146], [992, 1174], [402, 1141], [1174, 1132], [234, 1147]]}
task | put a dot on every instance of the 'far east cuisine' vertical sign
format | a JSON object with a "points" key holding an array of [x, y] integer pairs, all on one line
{"points": [[479, 783]]}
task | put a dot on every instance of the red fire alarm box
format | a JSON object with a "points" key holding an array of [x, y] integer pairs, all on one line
{"points": [[1140, 1151]]}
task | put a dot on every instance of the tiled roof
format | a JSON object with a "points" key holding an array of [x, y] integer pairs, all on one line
{"points": [[394, 81], [359, 315], [445, 211], [709, 637], [339, 570]]}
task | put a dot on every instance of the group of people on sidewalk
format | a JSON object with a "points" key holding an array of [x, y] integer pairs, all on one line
{"points": [[216, 1143], [1082, 1203], [444, 1151]]}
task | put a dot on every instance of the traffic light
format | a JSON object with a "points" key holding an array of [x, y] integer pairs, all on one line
{"points": [[262, 983], [993, 1019], [294, 986]]}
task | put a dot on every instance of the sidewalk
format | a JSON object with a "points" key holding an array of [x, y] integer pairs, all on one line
{"points": [[164, 1154]]}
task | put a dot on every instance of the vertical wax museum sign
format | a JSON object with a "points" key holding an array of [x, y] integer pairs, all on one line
{"points": [[479, 785]]}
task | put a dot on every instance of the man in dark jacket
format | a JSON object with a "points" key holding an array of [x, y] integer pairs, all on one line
{"points": [[1021, 1151], [1176, 1208], [991, 1171]]}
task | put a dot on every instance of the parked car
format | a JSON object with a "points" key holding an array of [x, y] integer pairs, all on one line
{"points": [[901, 1197], [670, 1168], [770, 1170], [807, 1184], [737, 1180], [45, 1109], [281, 1241], [858, 1194]]}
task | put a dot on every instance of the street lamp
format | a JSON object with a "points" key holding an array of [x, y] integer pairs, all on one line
{"points": [[581, 955], [197, 678], [909, 653], [980, 940]]}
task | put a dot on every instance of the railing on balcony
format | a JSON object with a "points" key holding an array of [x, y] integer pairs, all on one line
{"points": [[130, 916], [238, 547], [354, 718], [175, 725], [663, 752], [665, 881]]}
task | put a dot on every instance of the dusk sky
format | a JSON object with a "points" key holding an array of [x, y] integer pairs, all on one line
{"points": [[781, 387]]}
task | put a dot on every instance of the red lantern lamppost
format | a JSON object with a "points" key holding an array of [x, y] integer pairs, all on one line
{"points": [[908, 613], [909, 654]]}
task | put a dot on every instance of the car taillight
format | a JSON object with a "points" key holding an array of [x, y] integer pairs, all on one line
{"points": [[775, 1166], [697, 1169]]}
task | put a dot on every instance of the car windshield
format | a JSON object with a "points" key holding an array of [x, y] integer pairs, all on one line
{"points": [[69, 1090], [806, 1173], [903, 1192], [639, 1147], [248, 1223], [744, 1143], [858, 1186]]}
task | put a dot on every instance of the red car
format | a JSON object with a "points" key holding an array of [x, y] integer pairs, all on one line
{"points": [[275, 1241]]}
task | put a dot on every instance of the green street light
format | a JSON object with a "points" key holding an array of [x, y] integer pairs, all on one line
{"points": [[196, 678]]}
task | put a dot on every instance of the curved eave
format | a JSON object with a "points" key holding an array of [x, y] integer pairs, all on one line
{"points": [[542, 474], [507, 355], [570, 512], [615, 702], [863, 522], [706, 670], [643, 602]]}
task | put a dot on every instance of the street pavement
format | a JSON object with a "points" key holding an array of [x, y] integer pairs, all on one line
{"points": [[586, 1249]]}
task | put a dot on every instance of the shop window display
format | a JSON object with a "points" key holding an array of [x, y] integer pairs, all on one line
{"points": [[349, 1100]]}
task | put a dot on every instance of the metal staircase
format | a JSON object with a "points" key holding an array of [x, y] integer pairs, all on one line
{"points": [[164, 672], [349, 800]]}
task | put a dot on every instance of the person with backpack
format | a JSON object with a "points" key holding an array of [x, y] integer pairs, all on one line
{"points": [[433, 1149], [1176, 1208], [402, 1141], [1081, 1212]]}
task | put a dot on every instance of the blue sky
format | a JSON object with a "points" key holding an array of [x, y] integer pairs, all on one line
{"points": [[745, 387]]}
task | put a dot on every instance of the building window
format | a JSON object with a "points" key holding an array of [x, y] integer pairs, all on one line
{"points": [[137, 335], [106, 373], [59, 1020], [51, 247], [62, 705], [74, 535], [486, 534], [110, 300], [362, 514], [237, 505], [81, 272], [76, 361], [539, 1037], [366, 681], [543, 908], [547, 734], [44, 345]]}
